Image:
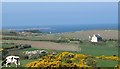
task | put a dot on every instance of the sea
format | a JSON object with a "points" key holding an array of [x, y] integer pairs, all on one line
{"points": [[64, 28]]}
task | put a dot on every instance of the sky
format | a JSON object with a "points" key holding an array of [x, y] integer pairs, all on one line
{"points": [[60, 0], [58, 13]]}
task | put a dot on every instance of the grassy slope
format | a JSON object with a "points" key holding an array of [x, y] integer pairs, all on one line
{"points": [[97, 50]]}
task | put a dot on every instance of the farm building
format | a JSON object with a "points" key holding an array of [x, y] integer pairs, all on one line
{"points": [[95, 38]]}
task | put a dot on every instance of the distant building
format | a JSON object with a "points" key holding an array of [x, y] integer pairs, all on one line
{"points": [[25, 33], [95, 38]]}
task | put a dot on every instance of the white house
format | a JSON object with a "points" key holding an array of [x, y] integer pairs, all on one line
{"points": [[95, 38]]}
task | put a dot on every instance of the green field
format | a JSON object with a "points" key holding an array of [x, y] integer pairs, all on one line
{"points": [[96, 50]]}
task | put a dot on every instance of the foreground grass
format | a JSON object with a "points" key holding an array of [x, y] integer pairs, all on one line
{"points": [[106, 63], [24, 62]]}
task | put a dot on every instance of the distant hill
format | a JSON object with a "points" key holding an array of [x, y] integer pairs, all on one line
{"points": [[106, 34]]}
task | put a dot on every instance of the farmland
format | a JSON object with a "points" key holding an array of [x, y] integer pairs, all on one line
{"points": [[73, 42], [49, 45]]}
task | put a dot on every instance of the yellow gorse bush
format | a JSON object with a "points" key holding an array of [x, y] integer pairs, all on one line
{"points": [[109, 58], [67, 59], [80, 56], [56, 61]]}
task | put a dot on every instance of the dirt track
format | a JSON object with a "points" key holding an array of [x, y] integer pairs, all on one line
{"points": [[49, 45]]}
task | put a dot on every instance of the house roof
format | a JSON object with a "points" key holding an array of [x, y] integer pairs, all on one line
{"points": [[98, 36]]}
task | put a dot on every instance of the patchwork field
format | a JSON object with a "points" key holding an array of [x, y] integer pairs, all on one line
{"points": [[80, 45], [48, 45]]}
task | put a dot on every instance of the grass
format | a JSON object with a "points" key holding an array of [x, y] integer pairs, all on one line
{"points": [[30, 49], [34, 38], [106, 63], [7, 45], [97, 50], [24, 62]]}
